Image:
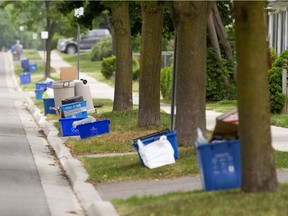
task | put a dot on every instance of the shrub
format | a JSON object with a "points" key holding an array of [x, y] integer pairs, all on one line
{"points": [[101, 49], [135, 68], [279, 61], [166, 82], [277, 98], [219, 82], [219, 78], [108, 67]]}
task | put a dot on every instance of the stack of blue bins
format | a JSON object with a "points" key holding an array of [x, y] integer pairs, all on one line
{"points": [[73, 109]]}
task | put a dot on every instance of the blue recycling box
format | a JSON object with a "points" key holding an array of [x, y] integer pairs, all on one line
{"points": [[219, 164], [43, 85], [25, 78], [32, 67], [39, 93], [94, 128], [74, 110], [171, 137], [49, 104], [67, 128], [24, 64]]}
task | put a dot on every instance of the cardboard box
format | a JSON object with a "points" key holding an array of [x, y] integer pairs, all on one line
{"points": [[226, 126], [68, 73]]}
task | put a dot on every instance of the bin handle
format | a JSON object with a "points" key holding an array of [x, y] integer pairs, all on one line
{"points": [[66, 84]]}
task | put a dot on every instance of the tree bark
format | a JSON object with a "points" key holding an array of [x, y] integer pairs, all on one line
{"points": [[221, 32], [150, 64], [123, 76], [190, 21], [258, 166], [213, 37], [50, 27]]}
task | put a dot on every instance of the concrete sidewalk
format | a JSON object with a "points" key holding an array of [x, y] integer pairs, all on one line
{"points": [[109, 191]]}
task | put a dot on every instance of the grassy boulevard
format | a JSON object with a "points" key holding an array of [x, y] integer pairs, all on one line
{"points": [[124, 129]]}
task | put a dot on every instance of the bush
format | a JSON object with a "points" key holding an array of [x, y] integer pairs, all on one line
{"points": [[108, 67], [279, 61], [135, 68], [166, 82], [277, 98], [219, 82], [102, 49]]}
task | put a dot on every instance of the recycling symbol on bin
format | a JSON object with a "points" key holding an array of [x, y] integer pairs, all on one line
{"points": [[74, 130], [93, 131]]}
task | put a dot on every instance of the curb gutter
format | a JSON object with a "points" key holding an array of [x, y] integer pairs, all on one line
{"points": [[86, 192]]}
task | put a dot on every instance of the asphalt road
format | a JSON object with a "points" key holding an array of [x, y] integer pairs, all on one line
{"points": [[31, 180]]}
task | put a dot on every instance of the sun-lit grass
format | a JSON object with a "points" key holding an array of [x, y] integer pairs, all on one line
{"points": [[86, 65], [217, 203], [128, 167], [123, 129], [222, 106]]}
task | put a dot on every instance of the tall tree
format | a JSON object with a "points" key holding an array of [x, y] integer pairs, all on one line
{"points": [[190, 21], [258, 166], [51, 28], [150, 64], [123, 77], [34, 15]]}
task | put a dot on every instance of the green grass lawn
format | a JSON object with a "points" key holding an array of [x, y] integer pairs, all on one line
{"points": [[127, 167], [198, 203]]}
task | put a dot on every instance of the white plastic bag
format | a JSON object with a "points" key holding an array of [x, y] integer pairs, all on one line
{"points": [[157, 153]]}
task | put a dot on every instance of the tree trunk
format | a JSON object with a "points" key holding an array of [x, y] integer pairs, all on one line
{"points": [[190, 21], [258, 166], [150, 64], [221, 32], [123, 76], [213, 37], [50, 27]]}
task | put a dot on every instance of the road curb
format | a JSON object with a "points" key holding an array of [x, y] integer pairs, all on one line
{"points": [[78, 176]]}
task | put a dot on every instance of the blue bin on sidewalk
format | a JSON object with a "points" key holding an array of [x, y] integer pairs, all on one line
{"points": [[219, 164]]}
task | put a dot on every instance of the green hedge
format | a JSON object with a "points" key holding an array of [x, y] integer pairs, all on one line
{"points": [[219, 82]]}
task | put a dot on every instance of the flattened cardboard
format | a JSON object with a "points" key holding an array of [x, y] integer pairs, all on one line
{"points": [[68, 73]]}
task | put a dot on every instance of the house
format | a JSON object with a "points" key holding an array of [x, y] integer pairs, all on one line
{"points": [[277, 20]]}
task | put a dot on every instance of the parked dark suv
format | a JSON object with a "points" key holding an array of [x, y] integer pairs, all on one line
{"points": [[69, 45]]}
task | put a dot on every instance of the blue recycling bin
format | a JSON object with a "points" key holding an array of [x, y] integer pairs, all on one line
{"points": [[24, 64], [32, 67], [25, 78], [49, 105], [219, 164]]}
